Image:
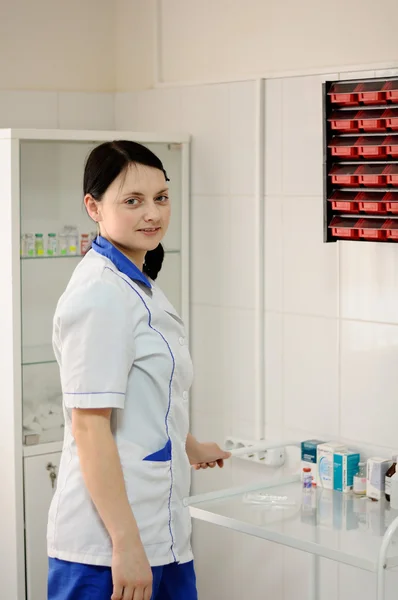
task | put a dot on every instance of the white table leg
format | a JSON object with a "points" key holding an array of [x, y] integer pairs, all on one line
{"points": [[382, 560], [314, 578]]}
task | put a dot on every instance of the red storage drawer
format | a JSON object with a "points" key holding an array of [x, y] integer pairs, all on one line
{"points": [[391, 117], [344, 121], [372, 147], [344, 201], [391, 90], [391, 228], [391, 143], [391, 200], [372, 92], [346, 176], [344, 94], [344, 228], [372, 175], [372, 121], [372, 202], [344, 147], [371, 229], [391, 172]]}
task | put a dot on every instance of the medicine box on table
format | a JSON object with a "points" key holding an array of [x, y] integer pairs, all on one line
{"points": [[375, 477], [326, 463], [344, 468]]}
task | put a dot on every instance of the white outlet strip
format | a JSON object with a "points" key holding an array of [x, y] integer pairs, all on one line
{"points": [[271, 454]]}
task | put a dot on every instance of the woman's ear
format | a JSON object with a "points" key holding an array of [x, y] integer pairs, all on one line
{"points": [[92, 207]]}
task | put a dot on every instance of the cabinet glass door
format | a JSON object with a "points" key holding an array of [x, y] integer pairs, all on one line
{"points": [[53, 221]]}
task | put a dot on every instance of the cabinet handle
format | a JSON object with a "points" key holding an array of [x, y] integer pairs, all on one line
{"points": [[52, 473]]}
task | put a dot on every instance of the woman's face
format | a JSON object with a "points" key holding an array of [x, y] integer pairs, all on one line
{"points": [[134, 212]]}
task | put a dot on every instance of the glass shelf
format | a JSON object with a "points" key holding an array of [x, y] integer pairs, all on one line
{"points": [[171, 251], [38, 355], [53, 257], [341, 527]]}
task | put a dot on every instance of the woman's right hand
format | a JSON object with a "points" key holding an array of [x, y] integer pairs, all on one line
{"points": [[131, 574]]}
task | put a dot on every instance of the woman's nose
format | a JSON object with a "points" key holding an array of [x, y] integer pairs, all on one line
{"points": [[152, 212]]}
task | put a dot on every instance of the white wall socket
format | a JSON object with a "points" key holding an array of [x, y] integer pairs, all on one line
{"points": [[274, 457]]}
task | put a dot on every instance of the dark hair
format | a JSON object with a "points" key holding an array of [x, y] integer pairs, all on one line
{"points": [[104, 164]]}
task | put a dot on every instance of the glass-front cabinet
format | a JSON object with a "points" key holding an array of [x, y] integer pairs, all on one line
{"points": [[45, 232]]}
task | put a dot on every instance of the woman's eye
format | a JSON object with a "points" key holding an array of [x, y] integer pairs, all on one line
{"points": [[132, 201], [162, 198]]}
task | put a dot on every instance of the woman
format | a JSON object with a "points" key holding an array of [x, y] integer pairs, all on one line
{"points": [[117, 525]]}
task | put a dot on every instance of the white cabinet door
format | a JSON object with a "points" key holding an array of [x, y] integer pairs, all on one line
{"points": [[39, 491]]}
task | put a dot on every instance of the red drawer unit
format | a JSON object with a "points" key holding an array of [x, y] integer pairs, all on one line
{"points": [[343, 147], [360, 157], [344, 121], [344, 94], [372, 121], [391, 143], [372, 147], [391, 117], [391, 90], [371, 92], [371, 229], [391, 172], [372, 175], [391, 200], [344, 176], [391, 228], [345, 201], [344, 228], [372, 202]]}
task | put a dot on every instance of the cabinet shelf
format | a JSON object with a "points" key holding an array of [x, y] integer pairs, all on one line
{"points": [[58, 256], [38, 355], [52, 257]]}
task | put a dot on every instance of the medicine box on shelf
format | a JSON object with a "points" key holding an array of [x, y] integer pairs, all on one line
{"points": [[361, 160]]}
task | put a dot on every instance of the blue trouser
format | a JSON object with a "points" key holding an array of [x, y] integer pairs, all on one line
{"points": [[75, 581]]}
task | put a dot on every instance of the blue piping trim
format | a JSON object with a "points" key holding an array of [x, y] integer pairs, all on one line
{"points": [[169, 405], [121, 262]]}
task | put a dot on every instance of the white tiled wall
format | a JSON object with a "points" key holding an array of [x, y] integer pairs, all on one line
{"points": [[331, 317], [56, 110]]}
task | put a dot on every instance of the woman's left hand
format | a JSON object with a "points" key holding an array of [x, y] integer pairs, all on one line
{"points": [[208, 454]]}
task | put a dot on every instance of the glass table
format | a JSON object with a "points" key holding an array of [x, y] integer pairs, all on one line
{"points": [[341, 527]]}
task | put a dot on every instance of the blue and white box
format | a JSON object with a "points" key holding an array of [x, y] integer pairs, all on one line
{"points": [[344, 468], [326, 463]]}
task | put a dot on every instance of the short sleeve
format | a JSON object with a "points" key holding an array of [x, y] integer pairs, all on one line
{"points": [[96, 346]]}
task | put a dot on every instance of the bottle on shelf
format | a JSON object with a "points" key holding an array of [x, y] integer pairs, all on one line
{"points": [[84, 243], [27, 245], [73, 240], [52, 244], [391, 471], [39, 244], [359, 487], [63, 243]]}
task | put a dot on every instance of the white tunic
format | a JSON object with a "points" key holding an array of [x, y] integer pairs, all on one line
{"points": [[119, 343]]}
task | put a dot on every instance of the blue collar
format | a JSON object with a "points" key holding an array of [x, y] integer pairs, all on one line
{"points": [[121, 262]]}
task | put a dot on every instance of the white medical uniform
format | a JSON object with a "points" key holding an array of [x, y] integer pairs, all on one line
{"points": [[119, 343]]}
